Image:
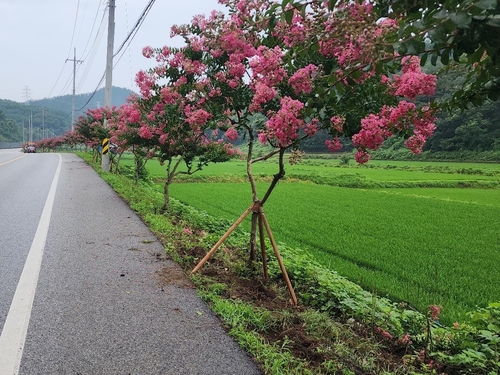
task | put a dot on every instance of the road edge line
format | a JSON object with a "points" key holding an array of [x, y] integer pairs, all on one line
{"points": [[14, 331]]}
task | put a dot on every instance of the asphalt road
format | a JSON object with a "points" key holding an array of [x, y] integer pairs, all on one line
{"points": [[80, 291]]}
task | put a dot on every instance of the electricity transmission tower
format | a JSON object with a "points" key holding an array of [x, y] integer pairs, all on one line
{"points": [[26, 94]]}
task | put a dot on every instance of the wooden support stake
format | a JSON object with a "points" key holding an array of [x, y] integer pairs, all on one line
{"points": [[278, 257], [224, 237], [263, 247]]}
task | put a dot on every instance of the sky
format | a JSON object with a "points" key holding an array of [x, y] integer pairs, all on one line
{"points": [[38, 39]]}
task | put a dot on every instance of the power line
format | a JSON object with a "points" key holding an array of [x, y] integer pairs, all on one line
{"points": [[92, 30], [136, 27], [128, 39], [74, 28], [70, 45], [57, 80], [92, 53], [95, 91]]}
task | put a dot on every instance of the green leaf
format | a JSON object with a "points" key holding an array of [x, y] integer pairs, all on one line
{"points": [[423, 59], [414, 47], [445, 57], [441, 14], [494, 327], [402, 49], [289, 15], [486, 4], [476, 56], [461, 19], [494, 21], [434, 58], [331, 5], [272, 21], [438, 35]]}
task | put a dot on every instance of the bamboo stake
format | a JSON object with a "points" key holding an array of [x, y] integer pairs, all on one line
{"points": [[278, 257], [263, 247], [224, 237]]}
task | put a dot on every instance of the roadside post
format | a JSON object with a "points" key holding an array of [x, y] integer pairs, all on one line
{"points": [[105, 154]]}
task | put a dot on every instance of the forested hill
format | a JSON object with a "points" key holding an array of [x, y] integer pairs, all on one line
{"points": [[51, 116], [83, 102]]}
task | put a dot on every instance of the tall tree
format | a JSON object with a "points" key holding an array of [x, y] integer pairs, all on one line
{"points": [[301, 69], [173, 119]]}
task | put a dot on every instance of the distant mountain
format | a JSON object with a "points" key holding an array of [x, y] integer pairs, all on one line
{"points": [[51, 116], [83, 102]]}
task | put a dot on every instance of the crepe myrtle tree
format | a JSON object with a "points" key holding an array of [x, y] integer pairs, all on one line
{"points": [[124, 133], [301, 70], [173, 118], [51, 144], [91, 129]]}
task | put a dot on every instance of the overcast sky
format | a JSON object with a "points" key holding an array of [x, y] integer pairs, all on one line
{"points": [[38, 36]]}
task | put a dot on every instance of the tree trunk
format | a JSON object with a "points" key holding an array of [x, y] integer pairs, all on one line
{"points": [[253, 231], [137, 166], [171, 173], [166, 197]]}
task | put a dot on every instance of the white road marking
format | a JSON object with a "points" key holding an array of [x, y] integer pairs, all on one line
{"points": [[16, 324]]}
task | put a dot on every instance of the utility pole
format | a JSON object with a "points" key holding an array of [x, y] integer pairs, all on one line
{"points": [[73, 97], [109, 75], [43, 123], [30, 133]]}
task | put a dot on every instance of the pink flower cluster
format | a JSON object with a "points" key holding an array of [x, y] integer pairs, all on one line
{"points": [[417, 125], [434, 312], [283, 126], [196, 116], [145, 82], [294, 33], [413, 81], [231, 134], [405, 340], [301, 80], [267, 66], [405, 119], [262, 94], [145, 132], [337, 123], [374, 130], [383, 333], [334, 144], [147, 52]]}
